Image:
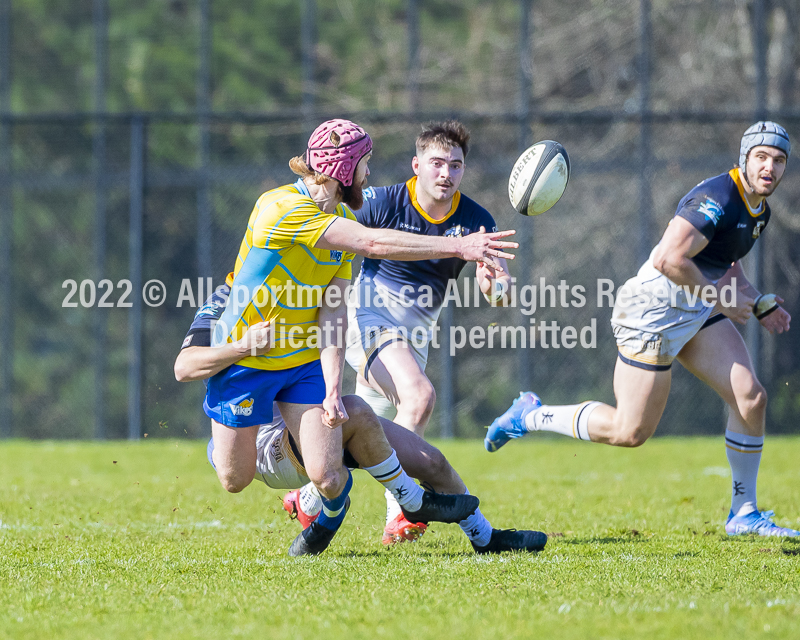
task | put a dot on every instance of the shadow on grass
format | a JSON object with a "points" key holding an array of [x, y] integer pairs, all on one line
{"points": [[416, 552], [606, 540]]}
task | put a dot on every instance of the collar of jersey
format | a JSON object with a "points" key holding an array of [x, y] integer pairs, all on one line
{"points": [[734, 174], [411, 185], [303, 189]]}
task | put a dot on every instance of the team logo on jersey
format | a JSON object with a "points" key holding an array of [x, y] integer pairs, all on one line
{"points": [[210, 308], [187, 341], [456, 232], [369, 192], [711, 210], [758, 228], [336, 256], [244, 408]]}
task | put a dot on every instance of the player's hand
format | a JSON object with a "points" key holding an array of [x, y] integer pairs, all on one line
{"points": [[485, 275], [742, 308], [484, 247], [257, 340], [334, 413], [493, 285], [777, 321]]}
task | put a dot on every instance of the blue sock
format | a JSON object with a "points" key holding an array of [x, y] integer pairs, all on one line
{"points": [[333, 511]]}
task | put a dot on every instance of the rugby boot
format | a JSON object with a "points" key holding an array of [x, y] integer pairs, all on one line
{"points": [[513, 540], [512, 423], [315, 538], [442, 507], [758, 522], [291, 504], [401, 530]]}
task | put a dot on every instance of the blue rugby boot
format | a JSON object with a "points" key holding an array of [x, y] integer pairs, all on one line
{"points": [[512, 423], [758, 522]]}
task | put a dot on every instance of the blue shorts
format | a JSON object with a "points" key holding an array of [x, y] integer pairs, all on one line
{"points": [[242, 396]]}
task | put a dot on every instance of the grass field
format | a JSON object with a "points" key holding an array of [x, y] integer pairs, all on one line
{"points": [[137, 540]]}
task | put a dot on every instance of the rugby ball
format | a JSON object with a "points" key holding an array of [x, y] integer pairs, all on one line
{"points": [[539, 178]]}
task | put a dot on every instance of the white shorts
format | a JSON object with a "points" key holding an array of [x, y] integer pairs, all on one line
{"points": [[369, 331], [277, 463], [653, 320]]}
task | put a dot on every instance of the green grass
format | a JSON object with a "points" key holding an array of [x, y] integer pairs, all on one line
{"points": [[124, 540]]}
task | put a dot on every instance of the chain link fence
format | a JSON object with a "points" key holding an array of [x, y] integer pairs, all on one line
{"points": [[95, 205]]}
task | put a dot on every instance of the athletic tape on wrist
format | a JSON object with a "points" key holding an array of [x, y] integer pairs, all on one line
{"points": [[764, 305]]}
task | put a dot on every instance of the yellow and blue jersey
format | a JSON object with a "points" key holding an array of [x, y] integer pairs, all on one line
{"points": [[281, 277], [717, 208]]}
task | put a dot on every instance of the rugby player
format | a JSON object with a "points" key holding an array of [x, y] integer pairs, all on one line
{"points": [[659, 316], [394, 306], [293, 266], [279, 463]]}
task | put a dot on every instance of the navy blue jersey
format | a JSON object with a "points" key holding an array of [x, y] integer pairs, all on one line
{"points": [[717, 208], [396, 207], [199, 334]]}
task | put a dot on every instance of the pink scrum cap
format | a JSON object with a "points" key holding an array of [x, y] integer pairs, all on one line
{"points": [[335, 148]]}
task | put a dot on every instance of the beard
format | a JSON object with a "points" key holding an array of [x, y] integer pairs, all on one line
{"points": [[353, 196], [763, 190]]}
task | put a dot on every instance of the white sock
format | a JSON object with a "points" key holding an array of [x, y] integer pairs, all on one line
{"points": [[310, 500], [392, 507], [477, 528], [379, 403], [568, 420], [744, 456], [391, 475]]}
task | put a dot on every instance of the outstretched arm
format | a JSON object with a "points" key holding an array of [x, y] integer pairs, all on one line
{"points": [[398, 245]]}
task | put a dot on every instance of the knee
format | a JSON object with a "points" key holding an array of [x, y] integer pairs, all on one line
{"points": [[420, 400], [753, 401], [232, 481], [357, 409], [329, 482]]}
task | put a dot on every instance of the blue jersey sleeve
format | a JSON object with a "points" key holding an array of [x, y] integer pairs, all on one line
{"points": [[486, 221], [199, 334], [704, 213], [364, 214], [380, 204]]}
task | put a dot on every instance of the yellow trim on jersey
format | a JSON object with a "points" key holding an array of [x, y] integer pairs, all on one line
{"points": [[736, 176], [286, 276], [411, 185]]}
